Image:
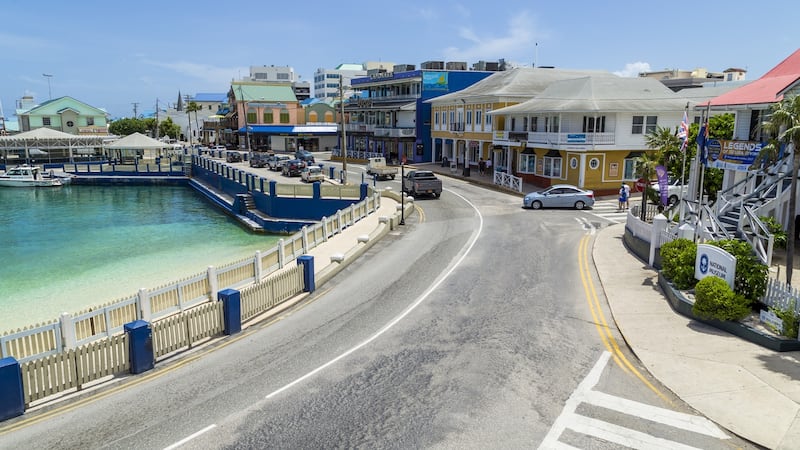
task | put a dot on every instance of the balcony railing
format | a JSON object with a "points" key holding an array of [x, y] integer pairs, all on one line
{"points": [[567, 138]]}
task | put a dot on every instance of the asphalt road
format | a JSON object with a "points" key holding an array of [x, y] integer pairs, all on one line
{"points": [[478, 325]]}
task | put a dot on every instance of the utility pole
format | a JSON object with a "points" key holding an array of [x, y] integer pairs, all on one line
{"points": [[156, 118], [344, 135], [135, 109], [48, 76]]}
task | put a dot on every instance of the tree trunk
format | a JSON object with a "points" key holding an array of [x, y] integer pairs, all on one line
{"points": [[790, 241]]}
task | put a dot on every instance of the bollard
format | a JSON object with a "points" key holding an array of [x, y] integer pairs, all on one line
{"points": [[231, 310], [332, 172], [307, 261], [140, 346], [12, 403]]}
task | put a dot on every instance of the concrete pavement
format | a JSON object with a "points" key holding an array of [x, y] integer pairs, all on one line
{"points": [[751, 391]]}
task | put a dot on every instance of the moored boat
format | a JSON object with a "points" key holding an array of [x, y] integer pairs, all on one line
{"points": [[27, 176]]}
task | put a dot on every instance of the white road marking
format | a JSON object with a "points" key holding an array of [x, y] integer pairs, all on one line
{"points": [[584, 393], [587, 226], [190, 437]]}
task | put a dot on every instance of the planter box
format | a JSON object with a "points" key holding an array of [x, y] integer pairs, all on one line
{"points": [[682, 305]]}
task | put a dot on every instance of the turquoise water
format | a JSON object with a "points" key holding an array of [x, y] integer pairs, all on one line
{"points": [[66, 249]]}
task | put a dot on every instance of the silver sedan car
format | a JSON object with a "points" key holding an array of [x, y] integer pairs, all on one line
{"points": [[559, 196]]}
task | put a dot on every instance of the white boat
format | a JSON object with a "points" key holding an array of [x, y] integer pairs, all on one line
{"points": [[25, 175]]}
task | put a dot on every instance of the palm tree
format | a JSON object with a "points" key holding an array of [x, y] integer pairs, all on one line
{"points": [[784, 122], [645, 169], [192, 107], [669, 147]]}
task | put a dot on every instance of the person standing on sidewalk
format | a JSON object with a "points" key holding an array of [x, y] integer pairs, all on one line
{"points": [[481, 166], [627, 195], [623, 197], [489, 166]]}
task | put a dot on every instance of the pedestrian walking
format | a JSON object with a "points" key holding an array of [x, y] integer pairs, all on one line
{"points": [[481, 166], [623, 197], [489, 166], [627, 195]]}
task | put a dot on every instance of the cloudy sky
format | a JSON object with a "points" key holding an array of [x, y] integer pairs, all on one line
{"points": [[114, 54]]}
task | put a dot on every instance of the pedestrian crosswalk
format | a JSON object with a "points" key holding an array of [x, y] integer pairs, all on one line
{"points": [[608, 210], [589, 416]]}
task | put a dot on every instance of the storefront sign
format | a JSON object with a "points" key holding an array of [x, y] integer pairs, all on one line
{"points": [[576, 137], [712, 260], [733, 155], [613, 170]]}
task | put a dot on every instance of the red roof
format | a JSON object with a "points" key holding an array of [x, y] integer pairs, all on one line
{"points": [[767, 89]]}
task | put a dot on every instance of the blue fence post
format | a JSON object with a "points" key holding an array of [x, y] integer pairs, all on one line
{"points": [[332, 174], [363, 191], [140, 346], [317, 190], [12, 403], [307, 261], [273, 187], [231, 310]]}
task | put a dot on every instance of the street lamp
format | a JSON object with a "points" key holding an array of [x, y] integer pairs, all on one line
{"points": [[402, 194], [49, 92], [344, 135]]}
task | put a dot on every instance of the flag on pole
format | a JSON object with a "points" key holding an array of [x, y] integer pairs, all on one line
{"points": [[683, 131], [702, 143]]}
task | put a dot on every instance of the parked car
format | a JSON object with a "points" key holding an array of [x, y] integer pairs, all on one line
{"points": [[259, 159], [675, 190], [233, 156], [559, 196], [305, 156], [276, 163], [310, 174], [292, 167]]}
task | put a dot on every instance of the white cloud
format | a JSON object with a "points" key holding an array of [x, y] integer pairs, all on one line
{"points": [[427, 14], [204, 72], [633, 69], [517, 42]]}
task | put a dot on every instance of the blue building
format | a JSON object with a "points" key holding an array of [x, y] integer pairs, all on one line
{"points": [[390, 118]]}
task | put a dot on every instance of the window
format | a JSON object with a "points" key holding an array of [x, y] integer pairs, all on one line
{"points": [[642, 124], [284, 116], [90, 121], [469, 117], [251, 117], [452, 117], [436, 118], [594, 124], [268, 118], [478, 117], [524, 124], [46, 121], [594, 163], [534, 124], [513, 124], [628, 171], [551, 124], [527, 163], [488, 116], [552, 167]]}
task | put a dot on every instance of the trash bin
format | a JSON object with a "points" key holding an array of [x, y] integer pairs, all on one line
{"points": [[466, 171]]}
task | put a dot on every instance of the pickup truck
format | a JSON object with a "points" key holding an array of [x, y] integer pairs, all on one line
{"points": [[422, 182], [377, 168]]}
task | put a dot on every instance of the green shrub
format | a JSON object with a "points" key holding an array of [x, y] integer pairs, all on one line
{"points": [[751, 274], [776, 229], [790, 320], [677, 262], [714, 299]]}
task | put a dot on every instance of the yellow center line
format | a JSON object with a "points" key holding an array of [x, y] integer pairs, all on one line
{"points": [[600, 321]]}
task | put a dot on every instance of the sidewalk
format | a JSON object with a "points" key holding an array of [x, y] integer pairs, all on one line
{"points": [[749, 390]]}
